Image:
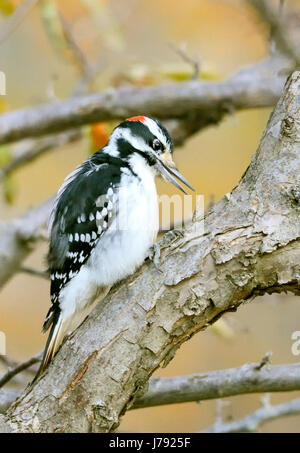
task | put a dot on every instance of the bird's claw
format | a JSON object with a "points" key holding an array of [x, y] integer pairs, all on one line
{"points": [[155, 251], [154, 255]]}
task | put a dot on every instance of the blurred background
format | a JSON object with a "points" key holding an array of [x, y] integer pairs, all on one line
{"points": [[136, 42]]}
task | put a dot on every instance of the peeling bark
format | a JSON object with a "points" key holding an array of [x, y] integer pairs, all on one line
{"points": [[250, 246]]}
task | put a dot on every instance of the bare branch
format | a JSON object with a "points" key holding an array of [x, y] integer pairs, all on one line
{"points": [[206, 103], [19, 236], [23, 366], [31, 152], [252, 422], [220, 384], [279, 29], [246, 379], [79, 56], [181, 51], [34, 272]]}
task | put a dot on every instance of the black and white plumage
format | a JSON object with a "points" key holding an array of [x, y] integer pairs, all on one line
{"points": [[104, 221]]}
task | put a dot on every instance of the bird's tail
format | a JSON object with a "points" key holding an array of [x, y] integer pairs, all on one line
{"points": [[57, 333], [61, 325]]}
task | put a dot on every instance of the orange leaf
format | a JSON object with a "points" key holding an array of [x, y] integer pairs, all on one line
{"points": [[100, 134]]}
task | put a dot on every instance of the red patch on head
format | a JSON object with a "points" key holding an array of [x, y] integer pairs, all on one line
{"points": [[140, 118]]}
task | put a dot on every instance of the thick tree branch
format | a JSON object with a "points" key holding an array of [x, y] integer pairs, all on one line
{"points": [[257, 86], [252, 422], [7, 397], [250, 246], [220, 384]]}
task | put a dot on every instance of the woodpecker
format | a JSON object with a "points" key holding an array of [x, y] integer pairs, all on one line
{"points": [[104, 221]]}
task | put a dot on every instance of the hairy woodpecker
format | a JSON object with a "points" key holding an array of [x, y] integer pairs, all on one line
{"points": [[104, 221]]}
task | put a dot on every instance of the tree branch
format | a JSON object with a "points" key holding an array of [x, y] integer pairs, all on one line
{"points": [[18, 237], [279, 29], [18, 369], [249, 378], [252, 422], [7, 397], [31, 152], [257, 86], [220, 384], [250, 246]]}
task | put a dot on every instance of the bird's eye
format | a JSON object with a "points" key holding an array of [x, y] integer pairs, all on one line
{"points": [[156, 145]]}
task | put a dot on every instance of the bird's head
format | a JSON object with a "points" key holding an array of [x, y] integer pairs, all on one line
{"points": [[148, 138]]}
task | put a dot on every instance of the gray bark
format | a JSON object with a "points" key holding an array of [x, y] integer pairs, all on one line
{"points": [[7, 397], [263, 415], [249, 378], [250, 246]]}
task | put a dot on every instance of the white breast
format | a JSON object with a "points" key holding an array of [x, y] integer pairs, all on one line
{"points": [[124, 246]]}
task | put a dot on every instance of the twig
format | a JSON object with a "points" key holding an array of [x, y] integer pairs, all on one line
{"points": [[87, 77], [23, 366], [181, 51], [267, 358], [279, 29], [78, 54], [34, 272], [252, 422], [18, 237], [40, 147]]}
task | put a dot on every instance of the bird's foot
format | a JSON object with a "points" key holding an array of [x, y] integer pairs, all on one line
{"points": [[169, 238]]}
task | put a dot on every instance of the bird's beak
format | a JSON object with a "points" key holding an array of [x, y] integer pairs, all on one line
{"points": [[167, 167]]}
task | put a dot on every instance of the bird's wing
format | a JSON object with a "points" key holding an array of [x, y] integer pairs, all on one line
{"points": [[86, 206]]}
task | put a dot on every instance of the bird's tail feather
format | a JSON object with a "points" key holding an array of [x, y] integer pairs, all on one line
{"points": [[61, 325], [55, 338]]}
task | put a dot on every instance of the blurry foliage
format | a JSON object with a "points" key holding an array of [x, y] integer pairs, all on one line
{"points": [[9, 185], [3, 104], [53, 26], [222, 329], [182, 73], [141, 75], [10, 189], [5, 155], [6, 7], [111, 30], [99, 135]]}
